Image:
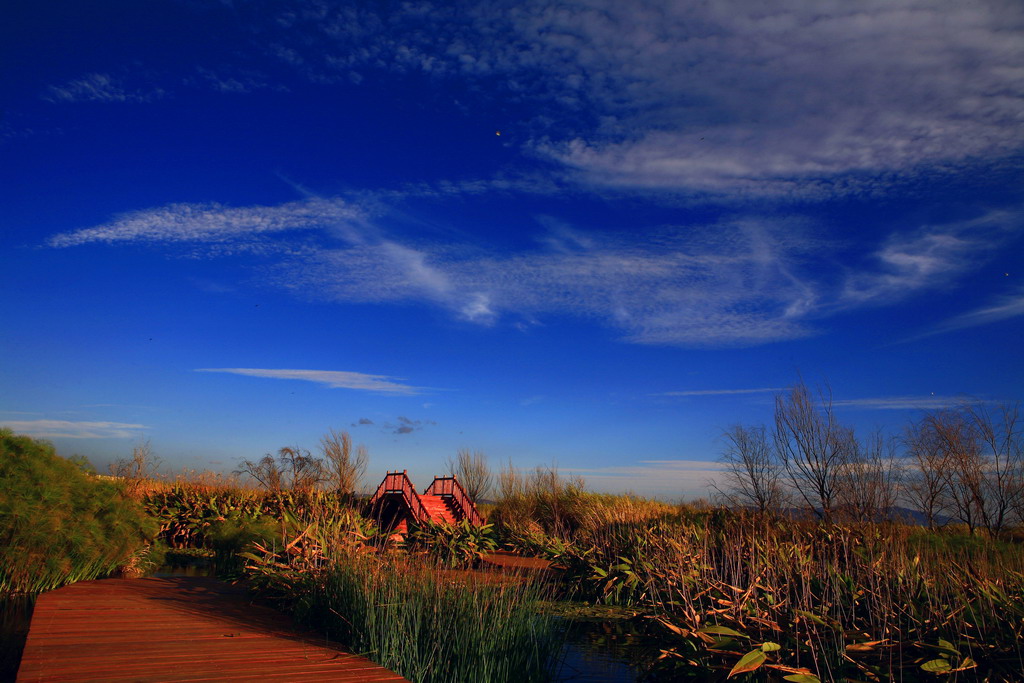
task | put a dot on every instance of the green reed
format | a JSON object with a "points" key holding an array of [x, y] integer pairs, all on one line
{"points": [[429, 625]]}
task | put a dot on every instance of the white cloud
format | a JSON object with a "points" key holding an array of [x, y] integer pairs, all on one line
{"points": [[721, 392], [693, 287], [1006, 307], [336, 379], [214, 222], [728, 96], [737, 283], [902, 402], [99, 87], [670, 479], [231, 81], [49, 429], [731, 96], [931, 256]]}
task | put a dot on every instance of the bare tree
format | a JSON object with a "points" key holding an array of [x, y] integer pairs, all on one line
{"points": [[927, 483], [999, 439], [142, 465], [294, 469], [812, 447], [266, 471], [343, 468], [983, 463], [872, 479], [473, 472], [751, 469], [964, 471]]}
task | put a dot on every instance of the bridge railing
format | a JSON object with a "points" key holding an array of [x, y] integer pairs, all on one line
{"points": [[398, 483], [450, 488]]}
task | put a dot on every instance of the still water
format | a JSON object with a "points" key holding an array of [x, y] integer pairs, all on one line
{"points": [[614, 651]]}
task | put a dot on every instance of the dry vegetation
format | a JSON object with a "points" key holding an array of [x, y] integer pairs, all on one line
{"points": [[807, 574]]}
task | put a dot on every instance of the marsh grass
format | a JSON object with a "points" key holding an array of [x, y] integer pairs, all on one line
{"points": [[761, 596], [864, 602], [425, 623]]}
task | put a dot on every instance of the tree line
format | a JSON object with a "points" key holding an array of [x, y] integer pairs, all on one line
{"points": [[340, 467], [963, 463]]}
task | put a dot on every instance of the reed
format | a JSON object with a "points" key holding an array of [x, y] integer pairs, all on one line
{"points": [[735, 592], [408, 615], [732, 592], [410, 619]]}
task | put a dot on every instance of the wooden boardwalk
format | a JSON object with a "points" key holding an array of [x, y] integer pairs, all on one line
{"points": [[176, 629]]}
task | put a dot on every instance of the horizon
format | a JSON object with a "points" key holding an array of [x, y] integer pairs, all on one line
{"points": [[593, 234]]}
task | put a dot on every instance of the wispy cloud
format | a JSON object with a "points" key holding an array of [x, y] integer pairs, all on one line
{"points": [[99, 87], [405, 425], [721, 392], [336, 379], [737, 283], [671, 479], [791, 100], [724, 97], [903, 402], [721, 284], [1006, 307], [927, 257], [214, 223], [50, 429], [232, 81]]}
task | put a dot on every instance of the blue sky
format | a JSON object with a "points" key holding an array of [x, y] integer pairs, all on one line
{"points": [[591, 233]]}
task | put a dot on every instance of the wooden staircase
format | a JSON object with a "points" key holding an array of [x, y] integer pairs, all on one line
{"points": [[397, 505], [437, 509]]}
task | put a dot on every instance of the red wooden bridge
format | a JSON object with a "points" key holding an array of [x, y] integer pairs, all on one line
{"points": [[398, 506]]}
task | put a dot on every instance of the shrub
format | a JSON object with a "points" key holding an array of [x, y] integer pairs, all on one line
{"points": [[231, 535], [57, 523], [453, 545]]}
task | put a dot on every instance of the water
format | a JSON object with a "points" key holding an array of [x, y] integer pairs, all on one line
{"points": [[15, 617], [596, 651], [190, 570]]}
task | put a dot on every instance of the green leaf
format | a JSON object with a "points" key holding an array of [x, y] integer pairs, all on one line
{"points": [[810, 615], [937, 666], [721, 631], [748, 662], [945, 648], [768, 646], [802, 678]]}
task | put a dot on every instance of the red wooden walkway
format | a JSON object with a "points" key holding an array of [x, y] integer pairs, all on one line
{"points": [[176, 629]]}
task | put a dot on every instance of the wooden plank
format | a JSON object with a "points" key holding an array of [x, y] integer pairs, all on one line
{"points": [[176, 629]]}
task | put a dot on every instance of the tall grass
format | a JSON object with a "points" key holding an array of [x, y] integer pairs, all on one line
{"points": [[868, 601], [729, 590], [414, 620], [316, 555], [192, 509], [770, 594], [57, 524]]}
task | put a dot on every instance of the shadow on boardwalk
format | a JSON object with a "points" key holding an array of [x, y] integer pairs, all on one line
{"points": [[176, 628]]}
